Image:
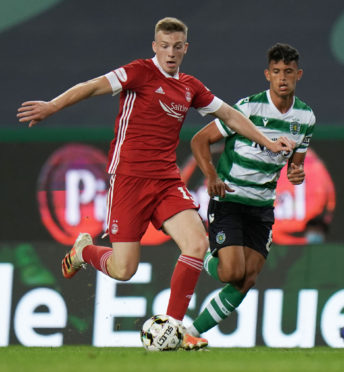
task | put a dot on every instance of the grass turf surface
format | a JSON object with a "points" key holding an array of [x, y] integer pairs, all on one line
{"points": [[88, 358]]}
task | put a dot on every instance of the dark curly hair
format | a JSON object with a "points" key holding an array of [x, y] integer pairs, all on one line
{"points": [[283, 52]]}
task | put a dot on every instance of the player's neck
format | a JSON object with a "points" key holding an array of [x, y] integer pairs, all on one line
{"points": [[282, 103]]}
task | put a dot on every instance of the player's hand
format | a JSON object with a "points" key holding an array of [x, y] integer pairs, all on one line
{"points": [[296, 174], [35, 111], [216, 187], [282, 144]]}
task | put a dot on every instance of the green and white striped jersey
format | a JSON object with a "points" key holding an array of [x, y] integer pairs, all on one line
{"points": [[252, 170]]}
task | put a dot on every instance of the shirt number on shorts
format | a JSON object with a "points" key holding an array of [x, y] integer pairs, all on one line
{"points": [[185, 195]]}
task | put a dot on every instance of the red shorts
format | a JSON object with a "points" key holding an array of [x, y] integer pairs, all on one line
{"points": [[133, 202]]}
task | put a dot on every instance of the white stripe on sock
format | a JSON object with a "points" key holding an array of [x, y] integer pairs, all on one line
{"points": [[220, 304], [213, 313], [103, 260], [193, 262]]}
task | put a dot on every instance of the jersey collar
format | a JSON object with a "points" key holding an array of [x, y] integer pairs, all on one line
{"points": [[175, 76], [276, 109]]}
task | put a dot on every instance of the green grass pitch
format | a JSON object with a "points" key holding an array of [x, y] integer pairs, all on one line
{"points": [[88, 358]]}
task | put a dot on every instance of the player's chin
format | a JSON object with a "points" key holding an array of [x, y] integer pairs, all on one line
{"points": [[171, 71]]}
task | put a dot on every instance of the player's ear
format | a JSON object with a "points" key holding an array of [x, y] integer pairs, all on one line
{"points": [[186, 46], [267, 74], [154, 46], [299, 74]]}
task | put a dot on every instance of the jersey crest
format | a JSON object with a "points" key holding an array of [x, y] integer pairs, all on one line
{"points": [[295, 128]]}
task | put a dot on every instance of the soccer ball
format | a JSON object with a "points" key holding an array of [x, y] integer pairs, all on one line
{"points": [[161, 333]]}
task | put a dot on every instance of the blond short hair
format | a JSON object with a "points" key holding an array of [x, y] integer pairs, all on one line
{"points": [[171, 24]]}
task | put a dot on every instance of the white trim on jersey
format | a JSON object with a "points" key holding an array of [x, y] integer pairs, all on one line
{"points": [[109, 199], [122, 128], [220, 128], [114, 82], [155, 61], [213, 106]]}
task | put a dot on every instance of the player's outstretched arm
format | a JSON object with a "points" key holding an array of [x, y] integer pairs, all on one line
{"points": [[200, 145], [35, 111], [242, 125], [296, 173]]}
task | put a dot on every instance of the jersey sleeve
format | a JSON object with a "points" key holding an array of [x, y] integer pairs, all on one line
{"points": [[308, 135], [213, 106], [204, 100], [223, 128], [243, 105], [114, 82], [128, 77]]}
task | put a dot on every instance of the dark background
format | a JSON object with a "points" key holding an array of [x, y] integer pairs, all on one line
{"points": [[76, 40]]}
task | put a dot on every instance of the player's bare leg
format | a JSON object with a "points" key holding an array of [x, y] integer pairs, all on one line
{"points": [[231, 267], [119, 262], [254, 263], [124, 260], [187, 230]]}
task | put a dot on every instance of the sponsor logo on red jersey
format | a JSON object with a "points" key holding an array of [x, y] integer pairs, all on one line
{"points": [[173, 109]]}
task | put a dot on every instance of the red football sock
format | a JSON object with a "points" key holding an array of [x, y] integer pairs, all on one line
{"points": [[97, 256], [183, 283]]}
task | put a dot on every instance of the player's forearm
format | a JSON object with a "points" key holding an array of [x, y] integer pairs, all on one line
{"points": [[201, 151], [240, 124], [72, 96], [298, 158], [35, 111]]}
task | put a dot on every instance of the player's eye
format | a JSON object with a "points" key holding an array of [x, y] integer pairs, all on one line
{"points": [[178, 46]]}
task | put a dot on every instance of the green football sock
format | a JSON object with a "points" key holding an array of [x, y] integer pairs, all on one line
{"points": [[210, 265], [219, 308]]}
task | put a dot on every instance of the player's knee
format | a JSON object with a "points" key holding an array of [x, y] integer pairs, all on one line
{"points": [[122, 276], [121, 273], [231, 273], [248, 282], [197, 248]]}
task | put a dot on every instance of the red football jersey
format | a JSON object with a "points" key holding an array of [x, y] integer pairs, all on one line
{"points": [[152, 109]]}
